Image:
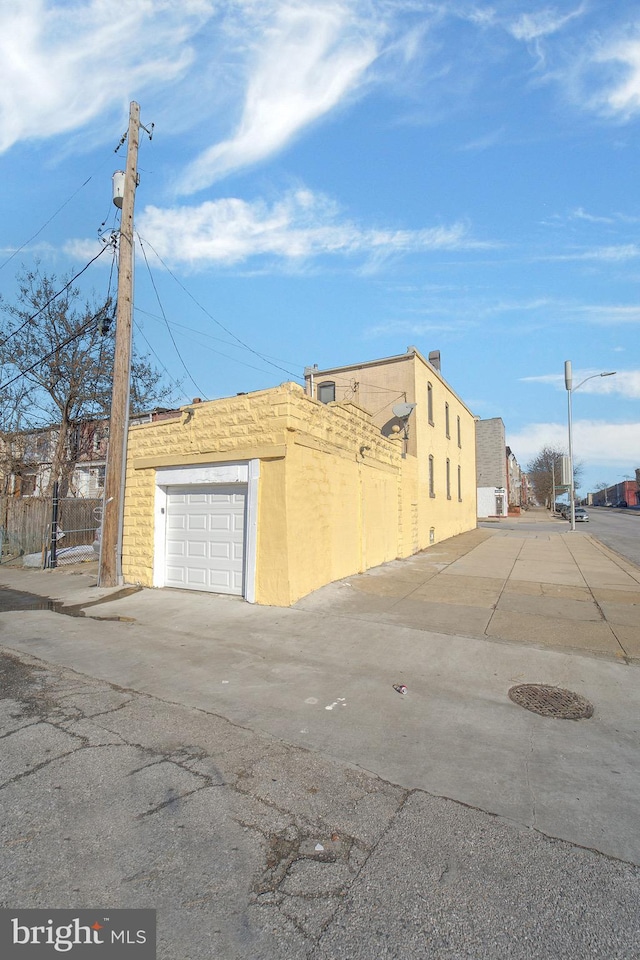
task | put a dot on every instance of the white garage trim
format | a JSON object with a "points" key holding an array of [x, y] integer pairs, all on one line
{"points": [[246, 473]]}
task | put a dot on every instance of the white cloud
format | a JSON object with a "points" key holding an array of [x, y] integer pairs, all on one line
{"points": [[617, 253], [541, 23], [581, 214], [610, 314], [485, 142], [626, 383], [298, 226], [621, 97], [594, 441], [62, 65], [311, 56], [416, 328]]}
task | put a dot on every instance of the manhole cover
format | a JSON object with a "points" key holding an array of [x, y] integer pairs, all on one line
{"points": [[551, 701]]}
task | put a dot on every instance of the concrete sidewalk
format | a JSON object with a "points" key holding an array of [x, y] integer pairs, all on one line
{"points": [[525, 582], [459, 625]]}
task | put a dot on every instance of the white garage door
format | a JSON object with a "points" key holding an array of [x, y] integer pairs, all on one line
{"points": [[205, 538]]}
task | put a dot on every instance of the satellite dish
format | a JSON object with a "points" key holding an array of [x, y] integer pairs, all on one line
{"points": [[403, 410]]}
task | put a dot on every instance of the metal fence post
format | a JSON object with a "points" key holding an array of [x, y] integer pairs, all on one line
{"points": [[53, 560]]}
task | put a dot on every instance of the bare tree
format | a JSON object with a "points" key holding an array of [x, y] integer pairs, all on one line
{"points": [[541, 471], [56, 359]]}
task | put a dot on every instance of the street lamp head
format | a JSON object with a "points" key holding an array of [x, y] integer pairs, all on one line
{"points": [[568, 376], [611, 373]]}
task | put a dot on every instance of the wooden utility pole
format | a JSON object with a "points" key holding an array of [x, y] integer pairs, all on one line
{"points": [[110, 574]]}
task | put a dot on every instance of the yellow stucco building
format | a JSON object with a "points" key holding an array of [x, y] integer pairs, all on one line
{"points": [[270, 495]]}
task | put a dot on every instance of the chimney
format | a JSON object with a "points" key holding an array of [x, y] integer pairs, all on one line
{"points": [[434, 359]]}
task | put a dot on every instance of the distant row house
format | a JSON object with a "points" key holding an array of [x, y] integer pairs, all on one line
{"points": [[503, 487], [26, 458], [625, 493]]}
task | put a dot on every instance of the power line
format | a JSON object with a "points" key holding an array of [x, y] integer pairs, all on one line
{"points": [[172, 378], [54, 214], [206, 346], [46, 223], [12, 333], [211, 317], [209, 336], [153, 284], [102, 339], [23, 373]]}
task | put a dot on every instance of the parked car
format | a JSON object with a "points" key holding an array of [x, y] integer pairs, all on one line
{"points": [[621, 503], [581, 514]]}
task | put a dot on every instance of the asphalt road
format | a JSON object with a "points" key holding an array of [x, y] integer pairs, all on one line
{"points": [[250, 848], [618, 529]]}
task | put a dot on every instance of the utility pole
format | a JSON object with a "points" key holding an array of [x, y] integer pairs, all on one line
{"points": [[110, 574]]}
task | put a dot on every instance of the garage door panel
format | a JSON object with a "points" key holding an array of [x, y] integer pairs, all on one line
{"points": [[222, 551], [222, 522], [196, 577], [197, 521], [205, 538], [176, 575], [197, 549], [220, 581], [237, 551], [176, 548]]}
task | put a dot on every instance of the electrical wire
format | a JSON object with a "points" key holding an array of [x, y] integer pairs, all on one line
{"points": [[76, 336], [12, 333], [56, 212], [209, 336], [378, 412], [211, 317], [206, 346], [153, 284], [170, 376], [94, 399], [46, 224]]}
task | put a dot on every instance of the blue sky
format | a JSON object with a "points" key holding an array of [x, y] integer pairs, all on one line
{"points": [[331, 182]]}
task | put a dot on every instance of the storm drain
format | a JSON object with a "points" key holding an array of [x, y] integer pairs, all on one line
{"points": [[551, 701]]}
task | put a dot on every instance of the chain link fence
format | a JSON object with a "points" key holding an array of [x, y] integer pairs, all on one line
{"points": [[26, 526]]}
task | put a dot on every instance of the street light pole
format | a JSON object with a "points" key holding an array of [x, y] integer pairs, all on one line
{"points": [[568, 382]]}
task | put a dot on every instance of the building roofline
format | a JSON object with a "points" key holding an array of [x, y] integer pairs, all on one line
{"points": [[411, 353]]}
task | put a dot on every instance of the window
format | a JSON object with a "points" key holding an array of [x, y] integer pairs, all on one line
{"points": [[327, 391], [448, 479], [460, 484], [459, 434], [432, 489], [28, 485], [430, 403], [446, 420], [100, 433]]}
